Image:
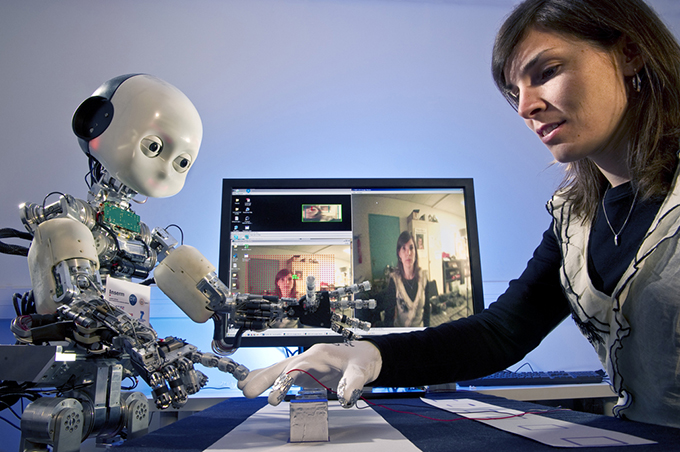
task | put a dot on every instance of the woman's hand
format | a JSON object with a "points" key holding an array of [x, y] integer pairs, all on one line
{"points": [[347, 367]]}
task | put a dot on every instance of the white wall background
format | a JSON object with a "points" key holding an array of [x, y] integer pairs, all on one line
{"points": [[285, 88]]}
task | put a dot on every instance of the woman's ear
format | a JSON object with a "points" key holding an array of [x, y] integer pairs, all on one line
{"points": [[631, 57]]}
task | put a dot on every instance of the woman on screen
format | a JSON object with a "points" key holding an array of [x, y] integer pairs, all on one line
{"points": [[285, 284], [285, 288], [406, 296], [598, 81]]}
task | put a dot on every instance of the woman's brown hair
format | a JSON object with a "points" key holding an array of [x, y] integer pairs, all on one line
{"points": [[402, 240], [653, 113]]}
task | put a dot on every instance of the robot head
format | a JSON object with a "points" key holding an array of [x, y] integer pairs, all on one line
{"points": [[144, 131]]}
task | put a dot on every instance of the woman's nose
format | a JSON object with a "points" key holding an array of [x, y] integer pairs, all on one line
{"points": [[530, 103]]}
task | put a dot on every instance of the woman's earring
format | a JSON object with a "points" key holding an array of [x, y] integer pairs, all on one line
{"points": [[637, 83]]}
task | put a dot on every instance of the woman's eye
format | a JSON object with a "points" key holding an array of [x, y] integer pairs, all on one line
{"points": [[548, 73]]}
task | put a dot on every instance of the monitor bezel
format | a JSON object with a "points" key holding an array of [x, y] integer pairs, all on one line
{"points": [[228, 184]]}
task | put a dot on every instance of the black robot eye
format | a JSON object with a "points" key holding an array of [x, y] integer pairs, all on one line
{"points": [[151, 146], [182, 163]]}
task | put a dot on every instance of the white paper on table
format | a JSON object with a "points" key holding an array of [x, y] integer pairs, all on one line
{"points": [[349, 429], [552, 432]]}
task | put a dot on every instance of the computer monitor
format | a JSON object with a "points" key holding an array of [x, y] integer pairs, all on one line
{"points": [[276, 232]]}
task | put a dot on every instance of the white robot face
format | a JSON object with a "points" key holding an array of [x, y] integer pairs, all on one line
{"points": [[153, 136]]}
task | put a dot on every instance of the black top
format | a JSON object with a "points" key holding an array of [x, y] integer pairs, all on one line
{"points": [[388, 301], [532, 306], [607, 261]]}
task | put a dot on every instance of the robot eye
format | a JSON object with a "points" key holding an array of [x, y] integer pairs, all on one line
{"points": [[182, 163], [151, 146]]}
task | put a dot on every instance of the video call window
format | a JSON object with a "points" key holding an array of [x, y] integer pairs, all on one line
{"points": [[321, 212], [275, 270], [416, 245]]}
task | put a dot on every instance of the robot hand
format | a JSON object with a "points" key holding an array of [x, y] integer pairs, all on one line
{"points": [[190, 281], [96, 330], [347, 367], [316, 309]]}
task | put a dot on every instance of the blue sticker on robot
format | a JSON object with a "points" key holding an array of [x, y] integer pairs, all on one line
{"points": [[133, 300]]}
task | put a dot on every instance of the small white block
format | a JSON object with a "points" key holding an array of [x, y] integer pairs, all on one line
{"points": [[308, 420]]}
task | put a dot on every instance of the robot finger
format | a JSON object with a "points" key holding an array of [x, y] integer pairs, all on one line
{"points": [[350, 322], [280, 388], [259, 380], [347, 334]]}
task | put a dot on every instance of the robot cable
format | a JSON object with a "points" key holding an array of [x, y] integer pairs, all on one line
{"points": [[61, 195], [94, 174], [17, 250], [27, 305], [181, 232], [111, 233], [9, 407], [10, 423]]}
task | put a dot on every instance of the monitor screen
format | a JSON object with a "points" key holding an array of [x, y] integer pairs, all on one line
{"points": [[276, 232]]}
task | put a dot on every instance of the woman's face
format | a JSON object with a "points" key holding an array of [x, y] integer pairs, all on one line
{"points": [[285, 285], [572, 95], [407, 255], [312, 212]]}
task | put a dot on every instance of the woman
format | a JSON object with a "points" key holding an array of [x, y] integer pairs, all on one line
{"points": [[285, 288], [599, 83], [285, 284], [406, 294]]}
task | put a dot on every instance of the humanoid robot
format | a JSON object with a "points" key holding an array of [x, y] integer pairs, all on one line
{"points": [[141, 136]]}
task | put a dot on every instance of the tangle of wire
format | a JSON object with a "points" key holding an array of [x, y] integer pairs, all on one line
{"points": [[6, 405], [369, 403], [126, 319], [24, 304], [95, 172]]}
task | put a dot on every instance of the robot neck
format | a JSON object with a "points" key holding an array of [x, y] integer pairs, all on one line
{"points": [[109, 189]]}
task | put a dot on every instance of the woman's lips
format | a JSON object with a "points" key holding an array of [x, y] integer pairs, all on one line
{"points": [[548, 131]]}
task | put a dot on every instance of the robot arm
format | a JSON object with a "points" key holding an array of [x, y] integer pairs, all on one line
{"points": [[141, 136], [190, 281], [64, 267]]}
